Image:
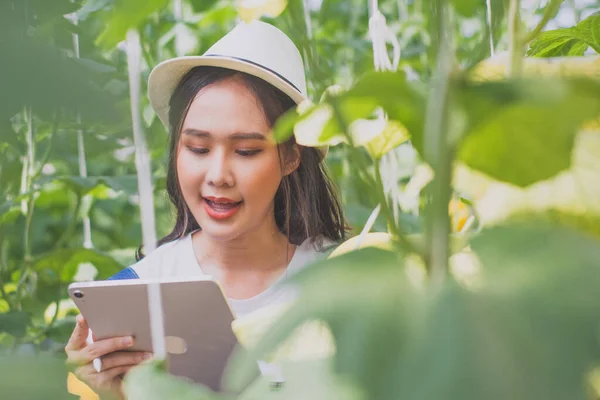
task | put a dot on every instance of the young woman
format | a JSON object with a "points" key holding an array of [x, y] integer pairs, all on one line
{"points": [[249, 211]]}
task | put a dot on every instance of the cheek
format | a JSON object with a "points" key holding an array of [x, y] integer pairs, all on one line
{"points": [[260, 182], [187, 174]]}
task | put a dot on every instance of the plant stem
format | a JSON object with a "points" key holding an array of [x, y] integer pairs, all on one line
{"points": [[549, 13], [68, 232], [490, 26], [3, 269], [29, 175], [376, 183], [438, 154], [576, 12], [48, 151], [359, 160], [144, 174], [383, 200], [515, 43]]}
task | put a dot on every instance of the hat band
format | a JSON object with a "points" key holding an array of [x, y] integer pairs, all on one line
{"points": [[257, 65]]}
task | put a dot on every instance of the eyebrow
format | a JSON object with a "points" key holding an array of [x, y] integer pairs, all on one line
{"points": [[233, 136]]}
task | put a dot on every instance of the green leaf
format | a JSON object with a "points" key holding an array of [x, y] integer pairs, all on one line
{"points": [[306, 379], [319, 125], [9, 215], [284, 126], [522, 132], [91, 6], [64, 262], [58, 81], [9, 136], [83, 186], [568, 41], [527, 329], [14, 323], [365, 299], [403, 101], [150, 381], [468, 8], [392, 136], [202, 5], [33, 377], [127, 14], [61, 331]]}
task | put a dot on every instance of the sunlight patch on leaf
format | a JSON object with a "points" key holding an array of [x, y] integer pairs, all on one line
{"points": [[250, 10], [575, 191]]}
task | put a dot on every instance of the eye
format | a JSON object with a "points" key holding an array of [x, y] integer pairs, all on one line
{"points": [[248, 153], [198, 150]]}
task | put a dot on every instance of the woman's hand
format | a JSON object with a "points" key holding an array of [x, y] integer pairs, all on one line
{"points": [[115, 362]]}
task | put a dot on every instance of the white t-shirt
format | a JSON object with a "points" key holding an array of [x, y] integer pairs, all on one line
{"points": [[177, 260]]}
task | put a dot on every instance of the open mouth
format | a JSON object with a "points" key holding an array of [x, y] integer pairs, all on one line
{"points": [[221, 209]]}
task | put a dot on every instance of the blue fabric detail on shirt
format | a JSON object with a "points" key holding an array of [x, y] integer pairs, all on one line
{"points": [[127, 273]]}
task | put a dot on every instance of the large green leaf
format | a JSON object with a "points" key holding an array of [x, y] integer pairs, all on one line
{"points": [[33, 377], [568, 41], [57, 81], [365, 299], [14, 323], [127, 14], [524, 328], [64, 262], [151, 382], [306, 379], [522, 132]]}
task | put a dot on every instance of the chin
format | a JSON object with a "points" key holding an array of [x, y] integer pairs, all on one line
{"points": [[220, 231]]}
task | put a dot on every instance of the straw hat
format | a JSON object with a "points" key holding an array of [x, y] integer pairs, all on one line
{"points": [[256, 48]]}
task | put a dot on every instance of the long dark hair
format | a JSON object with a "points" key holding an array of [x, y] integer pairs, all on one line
{"points": [[306, 202]]}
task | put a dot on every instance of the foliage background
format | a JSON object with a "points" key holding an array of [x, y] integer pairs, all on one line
{"points": [[61, 97]]}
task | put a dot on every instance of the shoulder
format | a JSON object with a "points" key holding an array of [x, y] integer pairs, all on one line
{"points": [[158, 263], [312, 250]]}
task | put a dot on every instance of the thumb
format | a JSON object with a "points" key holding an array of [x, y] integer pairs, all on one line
{"points": [[78, 338]]}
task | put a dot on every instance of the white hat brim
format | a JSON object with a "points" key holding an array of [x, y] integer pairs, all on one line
{"points": [[165, 77]]}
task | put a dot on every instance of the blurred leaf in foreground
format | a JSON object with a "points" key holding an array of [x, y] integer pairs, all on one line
{"points": [[151, 382], [14, 323], [33, 378], [364, 297], [572, 197], [522, 132], [502, 336], [309, 379]]}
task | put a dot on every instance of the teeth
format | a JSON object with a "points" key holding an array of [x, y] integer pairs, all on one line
{"points": [[221, 206]]}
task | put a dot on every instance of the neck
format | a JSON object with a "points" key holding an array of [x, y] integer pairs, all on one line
{"points": [[264, 249]]}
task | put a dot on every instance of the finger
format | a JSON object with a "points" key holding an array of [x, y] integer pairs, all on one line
{"points": [[120, 358], [105, 379], [106, 346], [77, 341], [85, 372]]}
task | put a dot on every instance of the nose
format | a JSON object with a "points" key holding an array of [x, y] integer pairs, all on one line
{"points": [[219, 170]]}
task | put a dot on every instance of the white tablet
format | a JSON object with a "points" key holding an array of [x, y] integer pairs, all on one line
{"points": [[197, 322]]}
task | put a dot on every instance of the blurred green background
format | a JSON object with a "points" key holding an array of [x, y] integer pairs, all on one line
{"points": [[69, 203]]}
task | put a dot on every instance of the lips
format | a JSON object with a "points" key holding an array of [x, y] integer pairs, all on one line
{"points": [[221, 207]]}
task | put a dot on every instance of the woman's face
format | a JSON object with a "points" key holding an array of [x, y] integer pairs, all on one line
{"points": [[227, 162]]}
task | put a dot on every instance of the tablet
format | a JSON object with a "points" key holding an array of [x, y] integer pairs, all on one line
{"points": [[197, 322]]}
